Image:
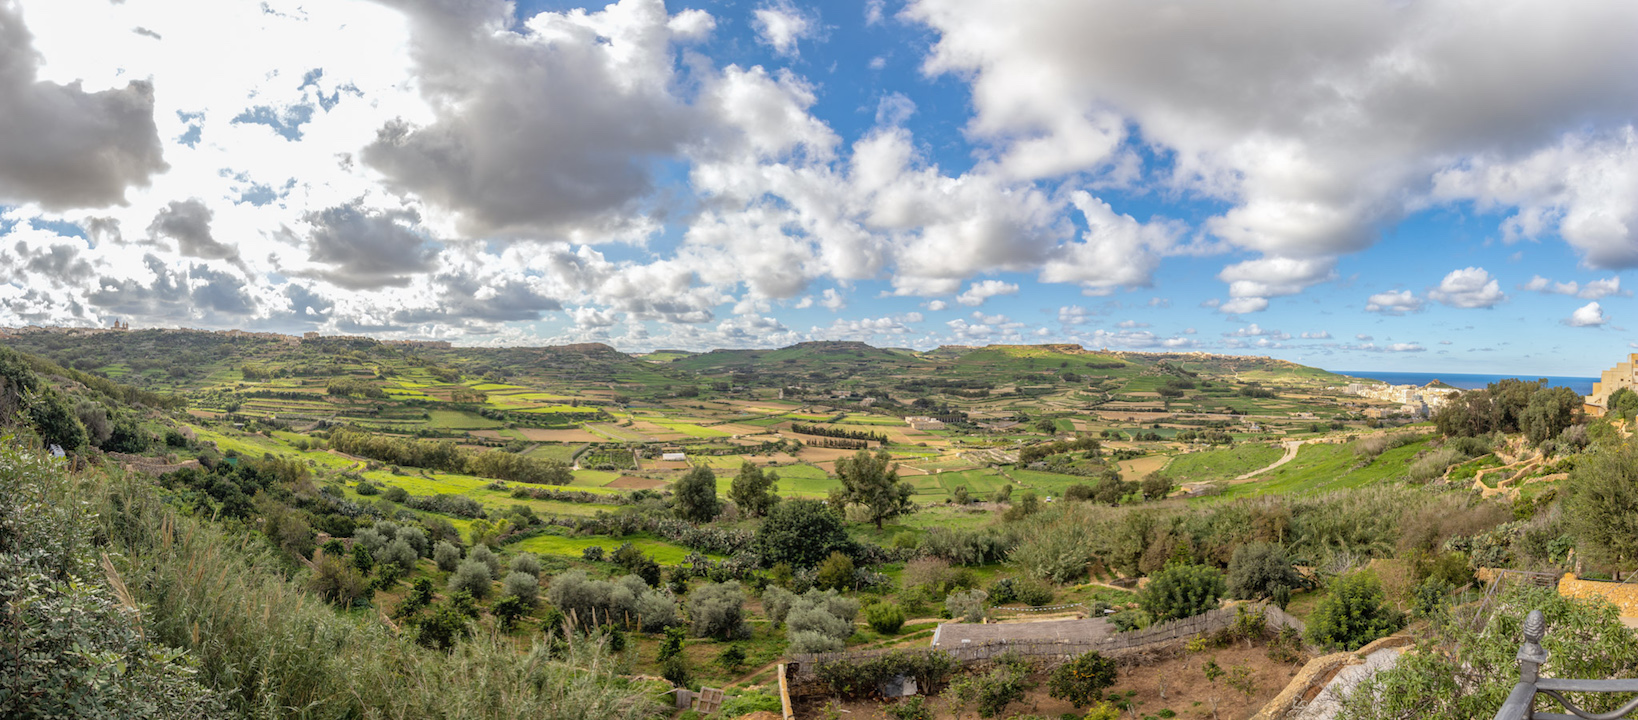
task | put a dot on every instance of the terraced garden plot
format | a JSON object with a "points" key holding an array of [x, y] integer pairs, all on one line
{"points": [[865, 419], [663, 552], [589, 479], [1046, 483], [458, 420], [980, 483], [490, 387], [692, 430]]}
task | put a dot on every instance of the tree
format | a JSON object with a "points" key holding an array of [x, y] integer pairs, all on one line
{"points": [[717, 610], [1602, 506], [1549, 412], [1181, 591], [872, 481], [1081, 681], [801, 533], [697, 495], [447, 556], [471, 576], [753, 490], [1623, 404], [523, 586], [1156, 486], [1353, 614], [1258, 569], [969, 606]]}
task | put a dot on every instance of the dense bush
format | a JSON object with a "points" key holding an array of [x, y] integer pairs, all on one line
{"points": [[397, 553], [1353, 613], [967, 547], [885, 618], [835, 573], [717, 610], [521, 585], [447, 556], [1081, 681], [526, 563], [969, 606], [1021, 591], [457, 505], [863, 678], [70, 648], [599, 602], [472, 576], [482, 554], [1259, 569], [819, 621], [1434, 464], [1181, 591]]}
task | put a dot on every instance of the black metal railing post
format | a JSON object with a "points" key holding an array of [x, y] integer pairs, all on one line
{"points": [[1520, 704]]}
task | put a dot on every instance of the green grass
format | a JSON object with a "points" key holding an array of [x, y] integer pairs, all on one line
{"points": [[1221, 464], [457, 420], [1325, 467], [663, 552]]}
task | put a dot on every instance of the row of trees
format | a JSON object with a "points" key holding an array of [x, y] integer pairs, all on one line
{"points": [[822, 431], [448, 457], [1510, 406]]}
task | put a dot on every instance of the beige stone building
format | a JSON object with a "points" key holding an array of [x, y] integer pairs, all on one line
{"points": [[1615, 378]]}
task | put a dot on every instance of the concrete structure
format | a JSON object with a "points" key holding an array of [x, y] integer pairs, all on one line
{"points": [[924, 423], [1611, 380], [1081, 630], [674, 457]]}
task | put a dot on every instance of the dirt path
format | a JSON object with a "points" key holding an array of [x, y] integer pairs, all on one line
{"points": [[1291, 447]]}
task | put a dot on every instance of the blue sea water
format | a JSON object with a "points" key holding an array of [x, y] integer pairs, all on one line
{"points": [[1467, 381]]}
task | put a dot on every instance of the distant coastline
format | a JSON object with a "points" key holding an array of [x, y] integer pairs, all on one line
{"points": [[1468, 381]]}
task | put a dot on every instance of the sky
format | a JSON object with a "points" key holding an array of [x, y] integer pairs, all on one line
{"points": [[1443, 185]]}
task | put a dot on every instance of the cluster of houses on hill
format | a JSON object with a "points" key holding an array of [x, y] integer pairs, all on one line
{"points": [[1413, 400]]}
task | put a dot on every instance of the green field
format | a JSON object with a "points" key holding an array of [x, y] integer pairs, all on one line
{"points": [[1221, 464], [663, 552], [1324, 467], [456, 420]]}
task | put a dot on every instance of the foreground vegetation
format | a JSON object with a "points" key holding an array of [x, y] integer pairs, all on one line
{"points": [[399, 545]]}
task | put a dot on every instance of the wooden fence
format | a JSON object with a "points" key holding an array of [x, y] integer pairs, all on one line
{"points": [[805, 664]]}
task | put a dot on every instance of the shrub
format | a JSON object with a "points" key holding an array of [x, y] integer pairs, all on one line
{"points": [[1081, 681], [508, 609], [1181, 591], [885, 618], [482, 554], [1434, 464], [861, 677], [1258, 569], [675, 671], [1024, 591], [337, 581], [442, 628], [969, 606], [367, 489], [592, 554], [748, 703], [910, 708], [993, 692], [820, 621], [672, 644], [835, 573], [731, 658], [1353, 614], [447, 556], [396, 494], [471, 576], [526, 563], [522, 585], [600, 602], [398, 554], [717, 610]]}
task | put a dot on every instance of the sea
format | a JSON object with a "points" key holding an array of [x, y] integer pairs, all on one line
{"points": [[1469, 381]]}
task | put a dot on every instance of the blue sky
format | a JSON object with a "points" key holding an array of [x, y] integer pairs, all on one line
{"points": [[1354, 185]]}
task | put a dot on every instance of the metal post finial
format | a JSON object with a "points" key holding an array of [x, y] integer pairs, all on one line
{"points": [[1531, 654]]}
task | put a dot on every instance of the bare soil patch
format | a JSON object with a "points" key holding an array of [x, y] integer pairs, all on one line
{"points": [[627, 482]]}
